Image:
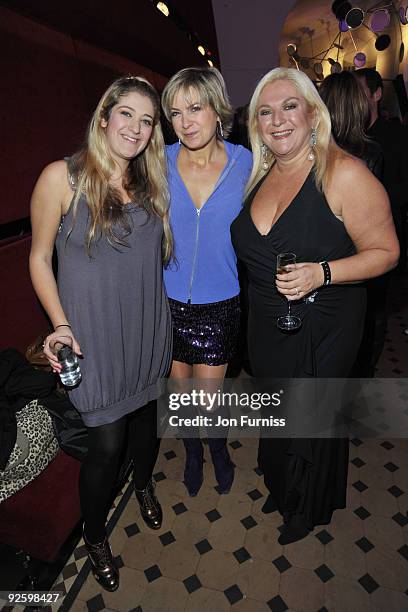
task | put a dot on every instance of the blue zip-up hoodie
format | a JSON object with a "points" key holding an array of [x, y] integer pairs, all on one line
{"points": [[205, 269]]}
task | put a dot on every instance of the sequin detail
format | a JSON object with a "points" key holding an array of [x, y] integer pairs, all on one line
{"points": [[205, 333]]}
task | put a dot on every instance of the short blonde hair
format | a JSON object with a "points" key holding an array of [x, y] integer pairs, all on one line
{"points": [[210, 87], [322, 125]]}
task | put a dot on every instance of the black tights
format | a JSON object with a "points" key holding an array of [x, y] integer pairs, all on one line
{"points": [[106, 445]]}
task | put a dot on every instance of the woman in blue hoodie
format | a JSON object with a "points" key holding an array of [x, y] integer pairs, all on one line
{"points": [[207, 177]]}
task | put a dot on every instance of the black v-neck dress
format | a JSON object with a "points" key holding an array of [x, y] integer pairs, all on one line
{"points": [[325, 346]]}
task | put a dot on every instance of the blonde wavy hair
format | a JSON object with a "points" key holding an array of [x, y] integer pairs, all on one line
{"points": [[325, 149], [146, 182], [210, 88]]}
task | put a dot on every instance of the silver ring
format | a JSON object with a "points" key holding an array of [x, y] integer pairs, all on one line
{"points": [[297, 291]]}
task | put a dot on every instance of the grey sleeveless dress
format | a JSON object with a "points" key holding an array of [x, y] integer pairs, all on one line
{"points": [[117, 307]]}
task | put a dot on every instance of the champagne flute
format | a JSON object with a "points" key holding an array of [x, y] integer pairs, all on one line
{"points": [[289, 322]]}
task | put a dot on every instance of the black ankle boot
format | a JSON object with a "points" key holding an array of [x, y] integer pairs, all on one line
{"points": [[103, 564], [150, 508]]}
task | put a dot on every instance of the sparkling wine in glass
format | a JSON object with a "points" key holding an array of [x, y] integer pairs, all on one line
{"points": [[289, 322]]}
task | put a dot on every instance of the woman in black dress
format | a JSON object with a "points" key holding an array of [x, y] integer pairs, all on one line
{"points": [[306, 196], [347, 103], [350, 117]]}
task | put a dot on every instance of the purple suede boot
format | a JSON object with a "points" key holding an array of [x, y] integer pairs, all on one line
{"points": [[223, 466], [193, 471]]}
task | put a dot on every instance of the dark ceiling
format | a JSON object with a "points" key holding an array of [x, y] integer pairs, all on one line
{"points": [[135, 29]]}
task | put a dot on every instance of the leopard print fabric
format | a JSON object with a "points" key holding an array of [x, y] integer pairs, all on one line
{"points": [[36, 446]]}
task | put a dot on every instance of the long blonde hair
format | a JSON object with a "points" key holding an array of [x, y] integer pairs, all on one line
{"points": [[146, 181], [325, 145]]}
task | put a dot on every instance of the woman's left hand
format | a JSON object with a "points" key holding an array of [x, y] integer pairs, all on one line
{"points": [[302, 278]]}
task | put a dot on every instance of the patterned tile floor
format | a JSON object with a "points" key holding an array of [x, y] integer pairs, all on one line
{"points": [[219, 552]]}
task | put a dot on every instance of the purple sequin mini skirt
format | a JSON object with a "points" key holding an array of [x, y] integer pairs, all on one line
{"points": [[205, 333]]}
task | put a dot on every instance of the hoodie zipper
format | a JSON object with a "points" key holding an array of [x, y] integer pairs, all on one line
{"points": [[198, 210], [194, 256]]}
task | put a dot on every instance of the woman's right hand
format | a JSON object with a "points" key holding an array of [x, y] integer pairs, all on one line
{"points": [[53, 342]]}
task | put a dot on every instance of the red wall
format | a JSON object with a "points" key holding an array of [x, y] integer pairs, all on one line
{"points": [[22, 318], [50, 85]]}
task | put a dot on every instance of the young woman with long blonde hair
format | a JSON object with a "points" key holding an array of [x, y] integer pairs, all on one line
{"points": [[105, 209]]}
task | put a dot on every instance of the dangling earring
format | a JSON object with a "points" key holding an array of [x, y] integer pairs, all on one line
{"points": [[179, 141], [220, 130], [313, 143], [264, 153]]}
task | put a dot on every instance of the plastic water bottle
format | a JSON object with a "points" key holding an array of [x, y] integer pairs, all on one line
{"points": [[70, 374]]}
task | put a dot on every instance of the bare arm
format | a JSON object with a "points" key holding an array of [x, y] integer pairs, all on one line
{"points": [[48, 203], [366, 213], [360, 199]]}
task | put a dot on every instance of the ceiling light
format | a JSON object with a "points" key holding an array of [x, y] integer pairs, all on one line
{"points": [[359, 60], [335, 68], [201, 49], [340, 8], [382, 42], [354, 18], [163, 8], [210, 63], [343, 27], [318, 69], [380, 20], [403, 15]]}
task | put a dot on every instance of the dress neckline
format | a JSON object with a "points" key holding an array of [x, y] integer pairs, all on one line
{"points": [[295, 197]]}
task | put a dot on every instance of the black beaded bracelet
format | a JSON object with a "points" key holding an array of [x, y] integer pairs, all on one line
{"points": [[326, 272], [62, 325]]}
